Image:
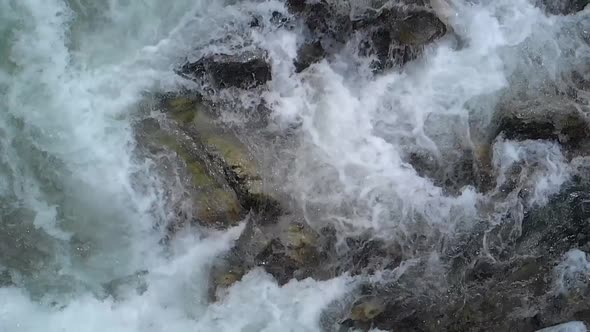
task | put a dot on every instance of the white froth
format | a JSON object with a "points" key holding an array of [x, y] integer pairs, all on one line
{"points": [[72, 100], [572, 273], [544, 168], [176, 300], [355, 128], [567, 327]]}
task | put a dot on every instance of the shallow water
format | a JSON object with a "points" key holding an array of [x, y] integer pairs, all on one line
{"points": [[79, 209]]}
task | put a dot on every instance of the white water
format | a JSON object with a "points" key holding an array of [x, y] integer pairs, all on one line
{"points": [[73, 216]]}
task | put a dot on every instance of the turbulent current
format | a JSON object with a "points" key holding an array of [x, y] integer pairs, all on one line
{"points": [[83, 212]]}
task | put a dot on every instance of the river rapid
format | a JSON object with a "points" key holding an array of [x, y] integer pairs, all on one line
{"points": [[83, 214]]}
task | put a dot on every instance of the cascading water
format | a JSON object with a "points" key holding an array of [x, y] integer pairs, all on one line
{"points": [[83, 214]]}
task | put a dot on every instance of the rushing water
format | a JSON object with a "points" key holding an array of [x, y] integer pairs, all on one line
{"points": [[80, 212]]}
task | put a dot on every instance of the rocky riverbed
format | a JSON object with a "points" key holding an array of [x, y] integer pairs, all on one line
{"points": [[520, 264], [294, 165]]}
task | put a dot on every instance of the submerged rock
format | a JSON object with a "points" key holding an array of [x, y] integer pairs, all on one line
{"points": [[325, 20], [397, 37], [511, 288], [363, 313], [215, 204], [287, 249], [309, 54], [394, 35], [206, 196], [563, 7], [244, 71], [221, 174], [537, 119]]}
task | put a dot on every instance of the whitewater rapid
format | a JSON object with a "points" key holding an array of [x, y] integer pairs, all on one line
{"points": [[79, 208]]}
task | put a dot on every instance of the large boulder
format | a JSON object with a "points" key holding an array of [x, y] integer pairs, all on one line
{"points": [[244, 71], [397, 36], [220, 176], [287, 248], [394, 34], [219, 180]]}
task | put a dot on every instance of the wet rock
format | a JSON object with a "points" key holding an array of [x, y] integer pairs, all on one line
{"points": [[483, 269], [296, 6], [514, 291], [280, 20], [215, 203], [456, 169], [325, 20], [452, 174], [5, 278], [242, 173], [287, 249], [244, 71], [396, 37], [220, 164], [560, 225], [222, 148], [363, 313], [221, 278], [365, 255], [539, 119], [291, 249], [562, 7], [207, 198], [255, 23], [309, 54], [393, 35], [366, 310]]}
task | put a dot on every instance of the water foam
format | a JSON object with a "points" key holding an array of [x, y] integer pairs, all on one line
{"points": [[67, 154], [356, 129]]}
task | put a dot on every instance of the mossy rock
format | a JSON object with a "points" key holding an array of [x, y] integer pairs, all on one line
{"points": [[301, 244], [366, 311], [242, 173], [219, 206], [216, 160], [235, 154], [223, 277], [215, 202], [182, 108]]}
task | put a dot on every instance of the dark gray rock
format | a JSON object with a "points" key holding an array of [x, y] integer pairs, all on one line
{"points": [[309, 54], [396, 36], [563, 7], [287, 248], [512, 291], [554, 119], [244, 71]]}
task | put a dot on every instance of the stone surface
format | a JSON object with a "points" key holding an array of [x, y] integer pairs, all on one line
{"points": [[394, 35], [207, 198], [308, 54], [286, 248], [244, 71], [512, 291], [554, 119], [563, 7]]}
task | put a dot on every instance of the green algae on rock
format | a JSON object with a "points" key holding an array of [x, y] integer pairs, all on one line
{"points": [[223, 147]]}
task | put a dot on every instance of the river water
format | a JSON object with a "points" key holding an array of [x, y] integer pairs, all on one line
{"points": [[82, 214]]}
